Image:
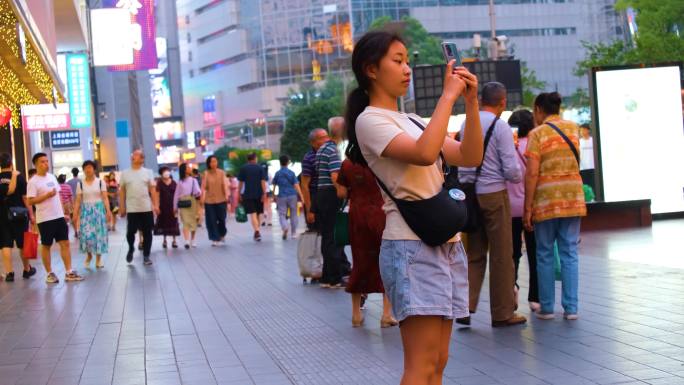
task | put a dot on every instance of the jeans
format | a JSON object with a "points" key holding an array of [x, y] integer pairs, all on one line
{"points": [[334, 261], [531, 246], [140, 222], [284, 203], [564, 231], [215, 217]]}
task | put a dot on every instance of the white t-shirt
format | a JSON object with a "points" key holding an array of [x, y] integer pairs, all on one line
{"points": [[137, 184], [587, 154], [51, 208], [375, 129], [92, 192]]}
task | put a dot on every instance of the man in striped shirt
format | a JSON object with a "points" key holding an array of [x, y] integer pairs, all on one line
{"points": [[317, 138], [327, 205]]}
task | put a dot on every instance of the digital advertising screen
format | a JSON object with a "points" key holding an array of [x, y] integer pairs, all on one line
{"points": [[640, 133], [141, 33]]}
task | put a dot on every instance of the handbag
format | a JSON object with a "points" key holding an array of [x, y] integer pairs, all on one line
{"points": [[17, 214], [30, 249], [341, 233], [434, 220], [474, 219]]}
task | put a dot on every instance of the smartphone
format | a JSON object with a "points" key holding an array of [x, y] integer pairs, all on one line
{"points": [[450, 51]]}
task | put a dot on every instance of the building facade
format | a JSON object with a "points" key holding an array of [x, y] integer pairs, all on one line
{"points": [[240, 58]]}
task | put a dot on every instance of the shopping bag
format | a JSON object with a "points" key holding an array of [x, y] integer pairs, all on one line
{"points": [[342, 229], [240, 214], [30, 245]]}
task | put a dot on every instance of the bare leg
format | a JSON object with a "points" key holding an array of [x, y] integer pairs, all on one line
{"points": [[186, 235], [422, 339], [387, 320], [45, 255], [256, 223], [98, 260], [192, 235], [24, 261], [89, 257], [7, 260], [65, 252], [357, 317], [436, 378]]}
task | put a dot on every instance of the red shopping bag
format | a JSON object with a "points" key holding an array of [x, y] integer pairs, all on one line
{"points": [[30, 245]]}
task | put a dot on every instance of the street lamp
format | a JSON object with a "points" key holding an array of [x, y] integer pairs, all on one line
{"points": [[266, 111]]}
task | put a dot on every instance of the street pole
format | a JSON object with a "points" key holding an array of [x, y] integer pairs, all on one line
{"points": [[266, 111]]}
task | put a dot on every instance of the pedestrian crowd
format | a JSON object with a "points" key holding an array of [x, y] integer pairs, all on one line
{"points": [[378, 192]]}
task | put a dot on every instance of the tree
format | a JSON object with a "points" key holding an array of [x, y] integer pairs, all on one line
{"points": [[599, 55], [240, 158], [530, 84], [660, 28], [417, 38], [301, 120]]}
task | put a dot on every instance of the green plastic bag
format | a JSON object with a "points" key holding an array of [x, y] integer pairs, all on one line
{"points": [[589, 195], [240, 214], [556, 262]]}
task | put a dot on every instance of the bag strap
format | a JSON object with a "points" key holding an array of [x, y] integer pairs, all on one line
{"points": [[445, 166], [567, 140], [487, 138], [522, 158]]}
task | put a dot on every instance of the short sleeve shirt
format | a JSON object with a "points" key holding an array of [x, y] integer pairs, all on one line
{"points": [[327, 163], [285, 179], [375, 129], [92, 191], [137, 184], [309, 169], [559, 192], [252, 175], [51, 208]]}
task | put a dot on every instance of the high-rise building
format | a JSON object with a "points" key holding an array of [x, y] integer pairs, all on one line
{"points": [[240, 59], [545, 34]]}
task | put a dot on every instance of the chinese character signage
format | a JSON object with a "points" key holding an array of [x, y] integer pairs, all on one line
{"points": [[45, 117], [141, 33], [65, 139], [78, 79], [209, 113]]}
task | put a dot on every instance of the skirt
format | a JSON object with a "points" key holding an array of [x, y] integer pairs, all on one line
{"points": [[188, 215], [93, 235]]}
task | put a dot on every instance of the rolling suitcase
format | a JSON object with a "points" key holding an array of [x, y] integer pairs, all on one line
{"points": [[309, 256]]}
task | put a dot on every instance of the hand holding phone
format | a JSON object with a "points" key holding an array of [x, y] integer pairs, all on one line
{"points": [[450, 52]]}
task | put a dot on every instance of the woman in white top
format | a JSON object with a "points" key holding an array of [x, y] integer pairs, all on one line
{"points": [[427, 286], [92, 214]]}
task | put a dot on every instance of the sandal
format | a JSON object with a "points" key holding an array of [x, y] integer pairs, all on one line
{"points": [[357, 322], [388, 322], [174, 245]]}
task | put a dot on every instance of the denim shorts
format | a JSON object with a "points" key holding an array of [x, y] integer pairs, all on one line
{"points": [[424, 280]]}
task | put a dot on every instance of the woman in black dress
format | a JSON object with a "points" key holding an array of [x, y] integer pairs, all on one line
{"points": [[167, 222]]}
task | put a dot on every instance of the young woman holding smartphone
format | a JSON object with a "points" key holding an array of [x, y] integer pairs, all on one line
{"points": [[427, 285]]}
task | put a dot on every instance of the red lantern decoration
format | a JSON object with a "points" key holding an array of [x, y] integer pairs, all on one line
{"points": [[5, 115]]}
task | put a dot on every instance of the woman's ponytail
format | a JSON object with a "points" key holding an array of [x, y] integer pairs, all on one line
{"points": [[356, 102], [368, 51]]}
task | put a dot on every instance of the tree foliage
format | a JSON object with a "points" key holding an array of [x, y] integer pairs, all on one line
{"points": [[417, 38], [660, 37], [531, 84], [241, 159], [303, 119]]}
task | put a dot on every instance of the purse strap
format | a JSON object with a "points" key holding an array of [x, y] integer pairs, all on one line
{"points": [[487, 138], [567, 140]]}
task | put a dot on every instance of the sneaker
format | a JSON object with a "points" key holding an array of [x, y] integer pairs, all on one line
{"points": [[284, 235], [147, 261], [72, 276], [9, 277], [52, 278], [29, 273], [571, 317], [257, 236], [187, 246], [463, 321], [545, 316], [324, 285], [129, 256], [193, 244], [214, 244]]}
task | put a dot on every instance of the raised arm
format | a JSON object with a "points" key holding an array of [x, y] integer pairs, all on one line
{"points": [[467, 152], [425, 150]]}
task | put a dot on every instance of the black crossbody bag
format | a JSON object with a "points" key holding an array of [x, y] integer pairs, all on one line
{"points": [[434, 220], [567, 140]]}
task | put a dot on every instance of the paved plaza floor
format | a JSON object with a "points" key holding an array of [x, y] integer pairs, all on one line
{"points": [[240, 314]]}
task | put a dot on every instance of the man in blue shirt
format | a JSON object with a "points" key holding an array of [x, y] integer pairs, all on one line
{"points": [[495, 237], [253, 178], [288, 192]]}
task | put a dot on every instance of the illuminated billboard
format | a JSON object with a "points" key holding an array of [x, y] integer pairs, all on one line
{"points": [[159, 84], [640, 133], [141, 33], [168, 130], [109, 48], [45, 117], [78, 80]]}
